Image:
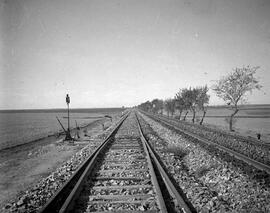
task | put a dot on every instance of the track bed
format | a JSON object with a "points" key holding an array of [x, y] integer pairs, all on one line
{"points": [[123, 175], [122, 180]]}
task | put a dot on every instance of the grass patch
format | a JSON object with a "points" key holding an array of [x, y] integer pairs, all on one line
{"points": [[178, 152], [203, 170]]}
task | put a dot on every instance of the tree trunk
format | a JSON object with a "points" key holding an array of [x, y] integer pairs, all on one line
{"points": [[193, 118], [185, 116], [180, 114], [231, 119], [201, 122]]}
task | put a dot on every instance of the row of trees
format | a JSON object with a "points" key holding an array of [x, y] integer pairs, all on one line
{"points": [[232, 88], [185, 100]]}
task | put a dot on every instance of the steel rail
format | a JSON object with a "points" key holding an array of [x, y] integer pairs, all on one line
{"points": [[160, 199], [60, 196], [249, 161], [180, 202], [69, 203], [64, 200]]}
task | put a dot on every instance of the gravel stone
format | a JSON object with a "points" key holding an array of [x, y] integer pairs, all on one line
{"points": [[211, 183]]}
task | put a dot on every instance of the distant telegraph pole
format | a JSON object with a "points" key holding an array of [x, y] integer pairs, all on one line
{"points": [[68, 136]]}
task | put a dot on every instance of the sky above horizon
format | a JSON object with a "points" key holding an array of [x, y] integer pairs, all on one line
{"points": [[124, 52]]}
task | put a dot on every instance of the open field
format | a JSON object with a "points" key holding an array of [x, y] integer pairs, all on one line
{"points": [[250, 120], [22, 126]]}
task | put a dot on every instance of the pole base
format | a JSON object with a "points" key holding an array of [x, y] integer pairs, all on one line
{"points": [[68, 137]]}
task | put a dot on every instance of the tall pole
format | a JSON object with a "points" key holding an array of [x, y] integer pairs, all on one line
{"points": [[68, 136], [68, 116]]}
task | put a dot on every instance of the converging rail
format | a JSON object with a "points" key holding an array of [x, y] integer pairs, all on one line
{"points": [[54, 204], [122, 175], [256, 164]]}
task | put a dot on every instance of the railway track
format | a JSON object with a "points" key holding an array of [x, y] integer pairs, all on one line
{"points": [[167, 122], [122, 175]]}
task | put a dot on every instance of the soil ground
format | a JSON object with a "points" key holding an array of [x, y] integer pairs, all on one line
{"points": [[23, 166]]}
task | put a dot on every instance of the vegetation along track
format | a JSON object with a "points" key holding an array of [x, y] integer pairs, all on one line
{"points": [[253, 154], [123, 175], [211, 179]]}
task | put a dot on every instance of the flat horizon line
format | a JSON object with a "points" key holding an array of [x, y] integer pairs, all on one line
{"points": [[62, 109], [84, 108]]}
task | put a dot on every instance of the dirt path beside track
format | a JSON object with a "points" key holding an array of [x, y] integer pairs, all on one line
{"points": [[23, 166]]}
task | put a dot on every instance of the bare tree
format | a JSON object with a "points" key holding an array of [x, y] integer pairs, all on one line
{"points": [[203, 100], [193, 99], [234, 87], [170, 106], [188, 96], [179, 103], [167, 106]]}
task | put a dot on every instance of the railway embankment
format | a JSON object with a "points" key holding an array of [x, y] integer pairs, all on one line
{"points": [[212, 179], [252, 149]]}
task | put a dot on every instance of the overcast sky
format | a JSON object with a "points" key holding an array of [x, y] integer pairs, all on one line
{"points": [[109, 53]]}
